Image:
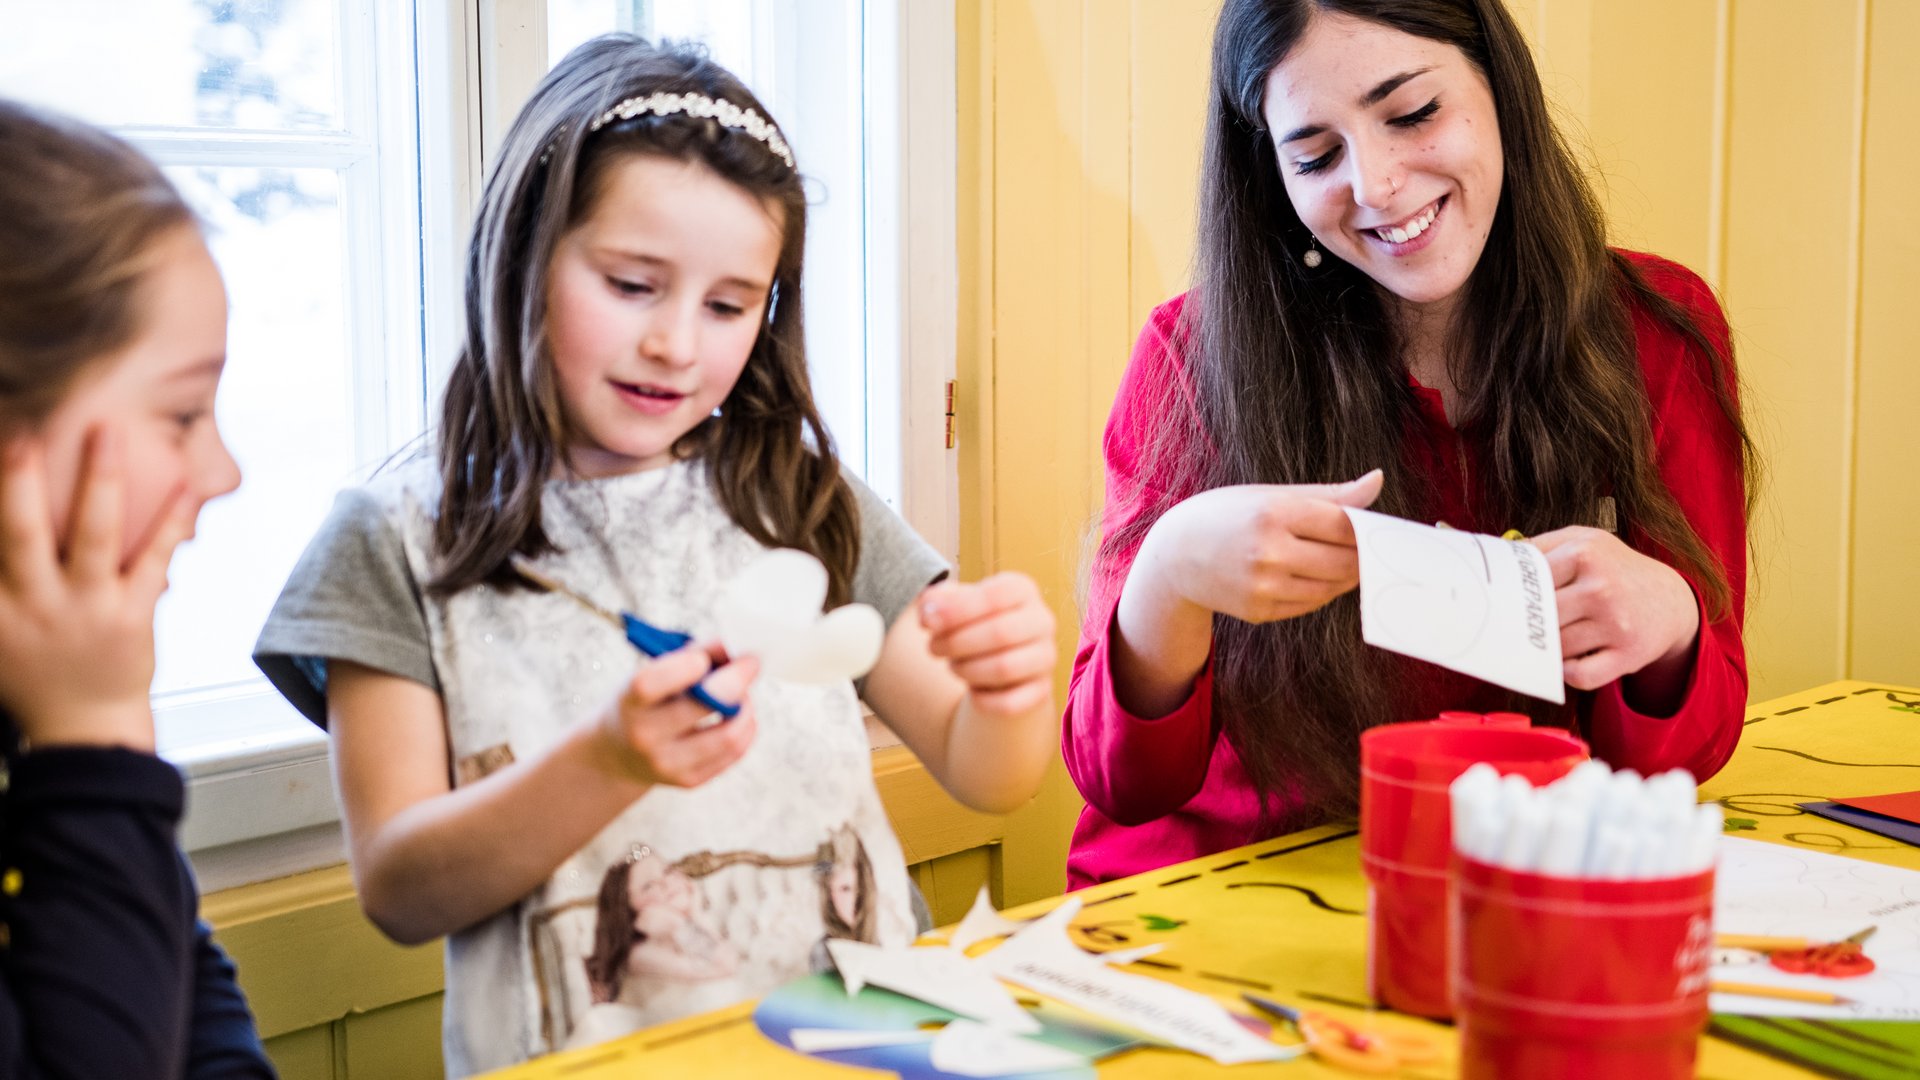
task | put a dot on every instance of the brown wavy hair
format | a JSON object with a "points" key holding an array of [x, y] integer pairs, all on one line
{"points": [[1297, 377], [80, 211], [503, 431]]}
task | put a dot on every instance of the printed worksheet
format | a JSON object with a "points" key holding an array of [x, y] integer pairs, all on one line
{"points": [[1786, 891], [1473, 603]]}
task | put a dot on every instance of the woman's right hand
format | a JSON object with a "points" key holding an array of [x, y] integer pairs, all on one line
{"points": [[658, 735], [76, 618], [1260, 552]]}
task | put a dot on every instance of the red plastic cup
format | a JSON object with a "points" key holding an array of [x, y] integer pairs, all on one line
{"points": [[1511, 721], [1406, 841], [1604, 980]]}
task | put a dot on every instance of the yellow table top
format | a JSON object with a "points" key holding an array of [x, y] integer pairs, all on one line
{"points": [[1285, 917]]}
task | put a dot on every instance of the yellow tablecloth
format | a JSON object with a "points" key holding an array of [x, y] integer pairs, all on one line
{"points": [[1285, 917]]}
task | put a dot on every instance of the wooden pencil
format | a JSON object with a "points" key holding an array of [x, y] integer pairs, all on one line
{"points": [[1783, 993]]}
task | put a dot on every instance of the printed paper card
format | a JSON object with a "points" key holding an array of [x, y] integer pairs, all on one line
{"points": [[1476, 604]]}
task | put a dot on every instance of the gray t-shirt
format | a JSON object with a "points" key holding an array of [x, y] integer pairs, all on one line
{"points": [[353, 597], [690, 899]]}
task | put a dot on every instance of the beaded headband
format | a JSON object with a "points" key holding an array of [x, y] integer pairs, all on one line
{"points": [[720, 110]]}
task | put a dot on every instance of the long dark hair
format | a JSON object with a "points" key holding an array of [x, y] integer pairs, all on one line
{"points": [[80, 211], [614, 935], [503, 431], [1298, 377]]}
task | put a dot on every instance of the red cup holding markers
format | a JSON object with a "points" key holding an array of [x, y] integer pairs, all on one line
{"points": [[1565, 976], [1406, 838]]}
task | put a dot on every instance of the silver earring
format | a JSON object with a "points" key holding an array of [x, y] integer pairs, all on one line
{"points": [[1312, 258]]}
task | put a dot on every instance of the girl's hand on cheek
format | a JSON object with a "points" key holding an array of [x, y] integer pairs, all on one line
{"points": [[658, 735], [76, 626], [1620, 611], [998, 637]]}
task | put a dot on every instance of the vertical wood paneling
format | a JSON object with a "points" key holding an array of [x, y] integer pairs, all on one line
{"points": [[1791, 240], [1886, 506], [1172, 42], [1657, 179]]}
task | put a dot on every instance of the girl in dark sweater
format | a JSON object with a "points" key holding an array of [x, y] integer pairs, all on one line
{"points": [[112, 339]]}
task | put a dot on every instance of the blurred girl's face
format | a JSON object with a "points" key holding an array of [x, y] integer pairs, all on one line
{"points": [[1390, 150], [154, 397], [654, 302]]}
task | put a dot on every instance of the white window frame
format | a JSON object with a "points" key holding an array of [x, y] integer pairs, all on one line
{"points": [[262, 801]]}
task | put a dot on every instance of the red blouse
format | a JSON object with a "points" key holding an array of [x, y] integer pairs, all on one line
{"points": [[1164, 790]]}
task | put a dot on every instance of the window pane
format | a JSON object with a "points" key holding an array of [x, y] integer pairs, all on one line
{"points": [[262, 64], [725, 27], [285, 408], [804, 63]]}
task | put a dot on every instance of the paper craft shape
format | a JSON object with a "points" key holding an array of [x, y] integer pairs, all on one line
{"points": [[937, 976], [1892, 828], [1782, 891], [1041, 958], [981, 922], [964, 1048], [1476, 604], [834, 1040], [772, 611], [1904, 805], [894, 1034]]}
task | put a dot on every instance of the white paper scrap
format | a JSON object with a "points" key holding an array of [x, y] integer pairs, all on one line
{"points": [[965, 1048], [1476, 604], [1123, 957], [934, 975], [1042, 958], [828, 1040], [771, 610], [981, 922]]}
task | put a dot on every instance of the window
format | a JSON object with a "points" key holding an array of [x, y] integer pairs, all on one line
{"points": [[334, 149], [290, 127]]}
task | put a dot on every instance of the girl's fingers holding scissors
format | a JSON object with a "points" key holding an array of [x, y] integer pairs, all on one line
{"points": [[707, 752]]}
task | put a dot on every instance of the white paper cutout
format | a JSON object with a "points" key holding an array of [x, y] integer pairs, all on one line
{"points": [[1042, 958], [936, 976], [1123, 957], [965, 1048], [1476, 604], [772, 611], [981, 922]]}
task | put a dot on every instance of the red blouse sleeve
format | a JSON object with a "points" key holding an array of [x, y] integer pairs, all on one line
{"points": [[1698, 454], [1130, 768]]}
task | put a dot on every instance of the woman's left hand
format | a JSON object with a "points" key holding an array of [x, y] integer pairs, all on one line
{"points": [[1620, 611], [998, 636]]}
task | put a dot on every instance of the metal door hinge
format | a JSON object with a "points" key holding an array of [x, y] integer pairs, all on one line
{"points": [[952, 436]]}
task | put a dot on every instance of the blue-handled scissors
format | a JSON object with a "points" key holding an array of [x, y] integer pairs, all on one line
{"points": [[645, 636]]}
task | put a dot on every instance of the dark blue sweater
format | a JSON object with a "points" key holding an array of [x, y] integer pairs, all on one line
{"points": [[108, 970]]}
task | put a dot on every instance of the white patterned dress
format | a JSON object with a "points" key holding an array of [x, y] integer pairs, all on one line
{"points": [[690, 899]]}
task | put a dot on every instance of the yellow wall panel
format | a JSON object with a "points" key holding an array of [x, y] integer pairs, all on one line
{"points": [[1886, 506], [1655, 59], [1172, 45], [1790, 260]]}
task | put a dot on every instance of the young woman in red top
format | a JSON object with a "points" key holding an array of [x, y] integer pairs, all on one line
{"points": [[1402, 277]]}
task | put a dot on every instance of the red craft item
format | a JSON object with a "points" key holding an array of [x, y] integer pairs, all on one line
{"points": [[1840, 960]]}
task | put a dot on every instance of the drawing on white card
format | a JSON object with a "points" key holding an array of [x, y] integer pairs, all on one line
{"points": [[1477, 604], [1440, 604]]}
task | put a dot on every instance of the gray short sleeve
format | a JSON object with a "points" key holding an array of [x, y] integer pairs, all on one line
{"points": [[352, 597], [895, 563]]}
